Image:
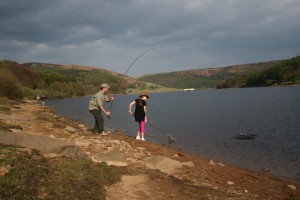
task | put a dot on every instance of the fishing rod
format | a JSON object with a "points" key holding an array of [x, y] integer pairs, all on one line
{"points": [[128, 70], [171, 139]]}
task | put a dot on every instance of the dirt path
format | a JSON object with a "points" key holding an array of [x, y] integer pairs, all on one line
{"points": [[196, 177]]}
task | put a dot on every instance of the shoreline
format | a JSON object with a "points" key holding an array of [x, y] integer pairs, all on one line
{"points": [[202, 172]]}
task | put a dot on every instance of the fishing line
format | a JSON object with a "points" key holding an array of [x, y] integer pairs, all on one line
{"points": [[171, 139], [128, 70]]}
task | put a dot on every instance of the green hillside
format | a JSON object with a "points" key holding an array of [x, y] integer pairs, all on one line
{"points": [[182, 79], [285, 73], [19, 81], [231, 76], [16, 81], [71, 81]]}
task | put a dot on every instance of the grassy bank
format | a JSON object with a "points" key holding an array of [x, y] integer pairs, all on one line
{"points": [[27, 174]]}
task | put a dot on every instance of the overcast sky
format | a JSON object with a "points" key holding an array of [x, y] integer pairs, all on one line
{"points": [[186, 34]]}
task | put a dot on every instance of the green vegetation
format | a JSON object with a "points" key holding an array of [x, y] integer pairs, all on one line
{"points": [[29, 175], [30, 80], [286, 72], [184, 79], [60, 82], [7, 127], [148, 87], [14, 78], [27, 81], [54, 81], [4, 108], [282, 72]]}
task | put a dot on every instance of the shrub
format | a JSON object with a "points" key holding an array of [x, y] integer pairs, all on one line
{"points": [[9, 88], [29, 93]]}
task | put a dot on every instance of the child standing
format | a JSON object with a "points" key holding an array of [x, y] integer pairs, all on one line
{"points": [[140, 114]]}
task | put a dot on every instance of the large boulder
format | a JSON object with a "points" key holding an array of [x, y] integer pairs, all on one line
{"points": [[163, 163], [43, 143]]}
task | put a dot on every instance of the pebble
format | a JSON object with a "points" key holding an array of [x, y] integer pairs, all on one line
{"points": [[230, 183], [211, 162], [292, 187]]}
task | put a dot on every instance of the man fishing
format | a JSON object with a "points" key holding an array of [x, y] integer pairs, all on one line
{"points": [[96, 106]]}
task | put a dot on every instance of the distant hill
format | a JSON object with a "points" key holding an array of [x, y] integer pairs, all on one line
{"points": [[86, 78], [18, 81], [221, 77]]}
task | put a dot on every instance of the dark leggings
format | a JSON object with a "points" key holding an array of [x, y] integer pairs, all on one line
{"points": [[99, 122]]}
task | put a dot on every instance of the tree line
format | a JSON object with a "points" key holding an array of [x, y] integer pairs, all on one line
{"points": [[286, 72]]}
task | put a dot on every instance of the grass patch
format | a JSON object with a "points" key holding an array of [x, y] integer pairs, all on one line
{"points": [[3, 101], [6, 127], [32, 176], [44, 116], [6, 105], [4, 109]]}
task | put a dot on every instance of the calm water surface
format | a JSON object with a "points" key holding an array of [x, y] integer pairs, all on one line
{"points": [[206, 123]]}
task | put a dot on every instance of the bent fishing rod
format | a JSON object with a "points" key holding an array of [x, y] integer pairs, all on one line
{"points": [[128, 70], [171, 139]]}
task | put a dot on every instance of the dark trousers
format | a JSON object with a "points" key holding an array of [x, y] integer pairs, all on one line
{"points": [[99, 122]]}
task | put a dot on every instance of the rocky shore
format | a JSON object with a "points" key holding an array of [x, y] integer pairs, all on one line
{"points": [[161, 172]]}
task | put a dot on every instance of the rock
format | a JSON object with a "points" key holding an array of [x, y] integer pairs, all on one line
{"points": [[130, 187], [188, 164], [211, 162], [163, 163], [148, 153], [265, 170], [116, 142], [43, 143], [4, 169], [81, 126], [51, 155], [71, 129], [125, 143], [292, 187], [73, 152], [82, 142], [230, 183], [112, 157]]}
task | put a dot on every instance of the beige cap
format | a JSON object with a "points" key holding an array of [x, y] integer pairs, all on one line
{"points": [[104, 85]]}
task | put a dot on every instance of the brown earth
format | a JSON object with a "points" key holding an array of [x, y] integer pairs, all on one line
{"points": [[198, 179]]}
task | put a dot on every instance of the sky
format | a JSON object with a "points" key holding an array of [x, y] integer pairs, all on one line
{"points": [[168, 35]]}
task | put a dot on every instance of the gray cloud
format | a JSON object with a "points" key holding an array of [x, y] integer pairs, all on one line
{"points": [[111, 34]]}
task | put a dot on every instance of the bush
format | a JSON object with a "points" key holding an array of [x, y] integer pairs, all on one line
{"points": [[29, 93], [9, 88]]}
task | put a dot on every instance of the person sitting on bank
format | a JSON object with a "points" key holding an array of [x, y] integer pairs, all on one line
{"points": [[96, 108]]}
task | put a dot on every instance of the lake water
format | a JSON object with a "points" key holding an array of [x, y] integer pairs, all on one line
{"points": [[206, 123]]}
